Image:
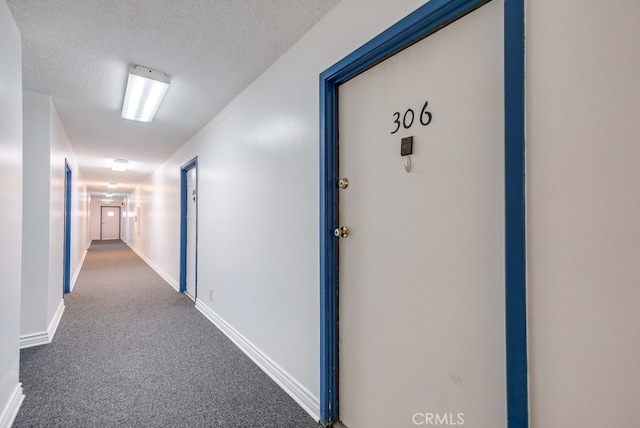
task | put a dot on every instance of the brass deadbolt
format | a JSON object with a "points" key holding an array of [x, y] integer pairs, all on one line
{"points": [[343, 183]]}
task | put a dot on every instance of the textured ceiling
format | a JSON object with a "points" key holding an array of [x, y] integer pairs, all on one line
{"points": [[79, 52]]}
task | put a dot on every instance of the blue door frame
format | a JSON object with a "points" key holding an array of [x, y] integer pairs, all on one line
{"points": [[66, 258], [424, 21], [184, 197]]}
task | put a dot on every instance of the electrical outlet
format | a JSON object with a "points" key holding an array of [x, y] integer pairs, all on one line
{"points": [[210, 293]]}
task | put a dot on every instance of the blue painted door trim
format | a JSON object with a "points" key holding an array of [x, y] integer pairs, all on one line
{"points": [[184, 197], [424, 21], [66, 257]]}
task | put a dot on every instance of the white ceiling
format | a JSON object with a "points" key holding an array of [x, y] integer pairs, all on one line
{"points": [[79, 52]]}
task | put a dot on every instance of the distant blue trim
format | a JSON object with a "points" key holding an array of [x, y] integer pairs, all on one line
{"points": [[424, 21], [184, 197], [66, 262]]}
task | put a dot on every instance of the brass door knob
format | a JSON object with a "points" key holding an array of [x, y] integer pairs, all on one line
{"points": [[341, 232]]}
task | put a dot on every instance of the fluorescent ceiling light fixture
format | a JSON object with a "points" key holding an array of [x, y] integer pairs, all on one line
{"points": [[145, 90], [109, 195], [120, 165], [112, 185]]}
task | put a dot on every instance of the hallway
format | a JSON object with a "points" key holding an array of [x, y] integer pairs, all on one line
{"points": [[131, 351], [366, 146]]}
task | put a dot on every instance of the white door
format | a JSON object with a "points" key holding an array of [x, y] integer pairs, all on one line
{"points": [[421, 274], [191, 232], [110, 228]]}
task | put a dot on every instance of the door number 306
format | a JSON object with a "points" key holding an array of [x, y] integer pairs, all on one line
{"points": [[409, 117]]}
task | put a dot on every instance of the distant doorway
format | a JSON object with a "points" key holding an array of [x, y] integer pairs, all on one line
{"points": [[66, 262], [109, 223], [189, 228]]}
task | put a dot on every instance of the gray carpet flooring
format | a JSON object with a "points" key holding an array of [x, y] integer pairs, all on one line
{"points": [[132, 352]]}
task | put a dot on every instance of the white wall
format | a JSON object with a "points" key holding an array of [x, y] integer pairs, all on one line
{"points": [[80, 216], [258, 197], [60, 150], [36, 200], [46, 148], [583, 199], [10, 214], [258, 202]]}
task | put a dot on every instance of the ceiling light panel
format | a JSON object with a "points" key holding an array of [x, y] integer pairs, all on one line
{"points": [[145, 91], [120, 165]]}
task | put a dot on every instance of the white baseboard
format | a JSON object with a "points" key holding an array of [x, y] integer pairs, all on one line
{"points": [[301, 395], [10, 411], [74, 278], [172, 282], [45, 337]]}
